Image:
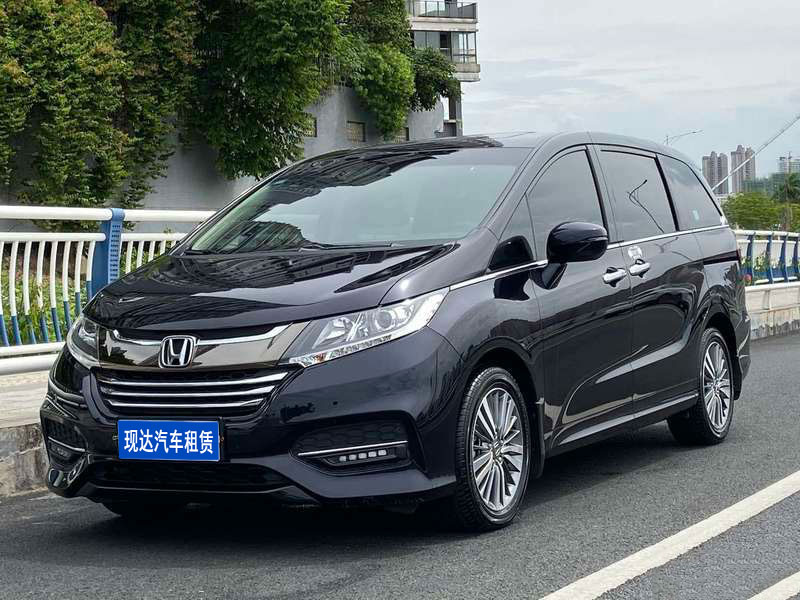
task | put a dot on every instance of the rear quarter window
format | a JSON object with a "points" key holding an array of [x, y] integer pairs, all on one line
{"points": [[693, 205]]}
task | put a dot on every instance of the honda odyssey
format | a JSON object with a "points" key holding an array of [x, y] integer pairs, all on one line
{"points": [[406, 324]]}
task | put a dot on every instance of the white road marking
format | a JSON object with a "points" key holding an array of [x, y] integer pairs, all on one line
{"points": [[783, 590], [611, 577]]}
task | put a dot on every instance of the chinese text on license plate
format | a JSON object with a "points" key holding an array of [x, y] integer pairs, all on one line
{"points": [[169, 440]]}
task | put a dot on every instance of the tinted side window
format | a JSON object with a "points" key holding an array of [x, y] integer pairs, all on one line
{"points": [[566, 192], [641, 206], [693, 205]]}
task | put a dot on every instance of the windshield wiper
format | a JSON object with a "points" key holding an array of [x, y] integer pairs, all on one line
{"points": [[321, 246]]}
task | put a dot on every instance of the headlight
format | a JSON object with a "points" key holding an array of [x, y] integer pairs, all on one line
{"points": [[333, 337], [82, 341]]}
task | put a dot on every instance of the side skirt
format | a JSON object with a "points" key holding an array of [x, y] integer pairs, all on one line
{"points": [[629, 422]]}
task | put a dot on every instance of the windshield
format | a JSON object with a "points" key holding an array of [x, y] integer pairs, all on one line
{"points": [[369, 198]]}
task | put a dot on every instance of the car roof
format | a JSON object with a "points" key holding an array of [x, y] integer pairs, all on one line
{"points": [[524, 139]]}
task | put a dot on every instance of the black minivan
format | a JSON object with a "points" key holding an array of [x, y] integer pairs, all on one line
{"points": [[408, 324]]}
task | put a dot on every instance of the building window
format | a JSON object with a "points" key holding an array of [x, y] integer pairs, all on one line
{"points": [[311, 129], [402, 136], [459, 47], [356, 131]]}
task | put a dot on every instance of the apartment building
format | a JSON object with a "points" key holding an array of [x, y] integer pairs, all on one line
{"points": [[715, 169]]}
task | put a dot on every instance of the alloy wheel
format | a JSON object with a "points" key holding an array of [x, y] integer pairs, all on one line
{"points": [[717, 386], [498, 448]]}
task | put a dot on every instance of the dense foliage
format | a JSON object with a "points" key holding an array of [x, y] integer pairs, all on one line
{"points": [[757, 210], [384, 79], [62, 78], [389, 74], [93, 93], [157, 39], [433, 79], [263, 63]]}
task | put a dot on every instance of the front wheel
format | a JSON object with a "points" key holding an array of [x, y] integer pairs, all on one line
{"points": [[493, 442], [708, 421]]}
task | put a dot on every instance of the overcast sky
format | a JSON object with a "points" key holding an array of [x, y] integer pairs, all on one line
{"points": [[642, 68]]}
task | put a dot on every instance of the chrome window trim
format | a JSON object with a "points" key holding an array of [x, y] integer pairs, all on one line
{"points": [[352, 449], [233, 382], [543, 263], [274, 332], [496, 274], [665, 235], [213, 394]]}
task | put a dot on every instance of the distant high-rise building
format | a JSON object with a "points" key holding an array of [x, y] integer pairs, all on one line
{"points": [[787, 164], [715, 169], [746, 173]]}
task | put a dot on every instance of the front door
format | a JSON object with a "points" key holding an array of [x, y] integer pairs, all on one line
{"points": [[585, 319]]}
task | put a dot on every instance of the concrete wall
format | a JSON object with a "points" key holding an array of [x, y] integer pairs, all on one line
{"points": [[774, 309], [343, 105]]}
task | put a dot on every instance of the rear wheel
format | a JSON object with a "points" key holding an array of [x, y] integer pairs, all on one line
{"points": [[138, 511], [492, 452], [708, 421]]}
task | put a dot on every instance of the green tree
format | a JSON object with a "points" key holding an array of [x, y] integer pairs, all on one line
{"points": [[787, 192], [787, 189], [15, 88], [61, 54], [262, 64], [389, 75], [157, 38], [384, 80], [433, 79], [752, 210], [380, 22]]}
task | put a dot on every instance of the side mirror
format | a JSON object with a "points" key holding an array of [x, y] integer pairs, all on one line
{"points": [[576, 242]]}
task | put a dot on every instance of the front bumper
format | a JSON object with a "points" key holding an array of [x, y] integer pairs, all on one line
{"points": [[412, 381]]}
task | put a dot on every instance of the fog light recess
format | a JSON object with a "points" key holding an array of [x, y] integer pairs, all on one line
{"points": [[360, 455]]}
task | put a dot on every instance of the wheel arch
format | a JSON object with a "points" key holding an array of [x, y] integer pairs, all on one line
{"points": [[720, 320], [509, 356]]}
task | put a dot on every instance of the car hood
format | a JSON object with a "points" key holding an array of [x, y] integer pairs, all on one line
{"points": [[200, 293]]}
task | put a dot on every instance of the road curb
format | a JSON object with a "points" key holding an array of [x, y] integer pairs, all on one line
{"points": [[23, 460]]}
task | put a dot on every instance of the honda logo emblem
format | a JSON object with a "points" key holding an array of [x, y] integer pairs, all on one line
{"points": [[177, 351]]}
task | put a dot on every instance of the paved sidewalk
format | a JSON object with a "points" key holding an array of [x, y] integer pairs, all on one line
{"points": [[20, 398]]}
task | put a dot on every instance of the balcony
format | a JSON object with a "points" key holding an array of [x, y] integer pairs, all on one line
{"points": [[441, 9], [460, 57]]}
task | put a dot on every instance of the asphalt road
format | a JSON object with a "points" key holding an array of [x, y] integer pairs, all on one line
{"points": [[592, 507]]}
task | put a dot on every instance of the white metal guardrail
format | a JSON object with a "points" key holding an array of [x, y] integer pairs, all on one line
{"points": [[47, 277]]}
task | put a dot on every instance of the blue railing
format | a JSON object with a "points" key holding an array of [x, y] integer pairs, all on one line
{"points": [[769, 256]]}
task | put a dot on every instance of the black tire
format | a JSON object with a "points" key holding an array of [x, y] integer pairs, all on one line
{"points": [[142, 511], [694, 426], [466, 507]]}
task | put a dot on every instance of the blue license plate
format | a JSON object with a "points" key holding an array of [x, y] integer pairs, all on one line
{"points": [[169, 440]]}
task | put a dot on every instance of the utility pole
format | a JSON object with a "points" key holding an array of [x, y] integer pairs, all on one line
{"points": [[787, 211], [674, 138]]}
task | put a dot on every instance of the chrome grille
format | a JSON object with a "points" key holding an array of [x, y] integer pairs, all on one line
{"points": [[198, 392]]}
